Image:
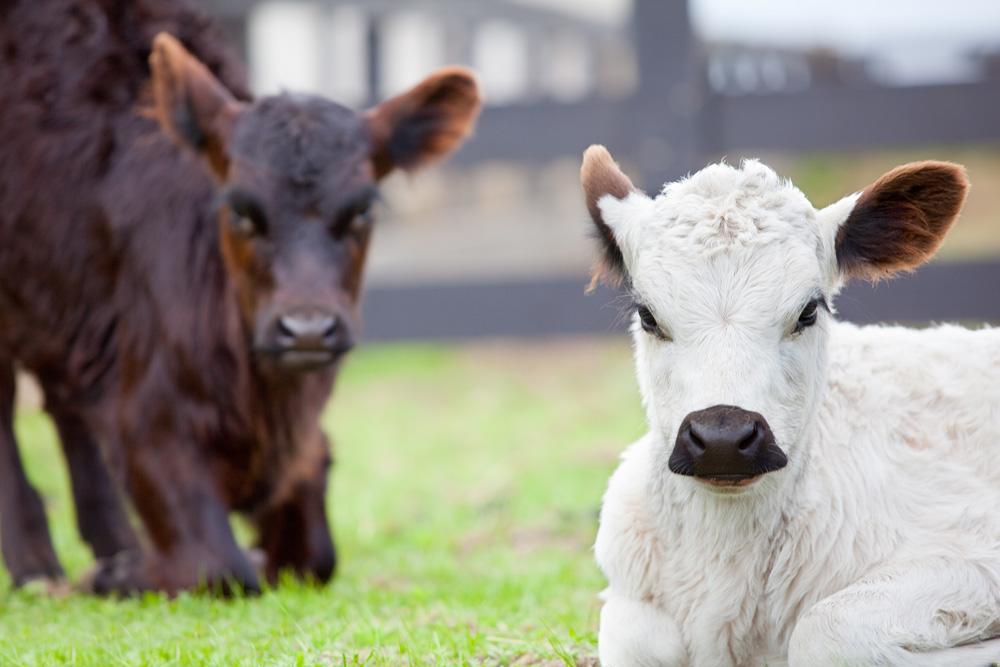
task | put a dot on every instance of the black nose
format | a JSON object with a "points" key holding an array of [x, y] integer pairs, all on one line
{"points": [[310, 329], [725, 442]]}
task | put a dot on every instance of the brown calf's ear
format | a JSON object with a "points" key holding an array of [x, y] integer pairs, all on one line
{"points": [[190, 103], [900, 220], [600, 176], [425, 123]]}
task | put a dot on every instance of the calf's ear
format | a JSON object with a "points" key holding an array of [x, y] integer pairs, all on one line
{"points": [[191, 105], [898, 222], [425, 123], [604, 182]]}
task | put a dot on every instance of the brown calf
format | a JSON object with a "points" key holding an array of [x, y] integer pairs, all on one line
{"points": [[184, 307]]}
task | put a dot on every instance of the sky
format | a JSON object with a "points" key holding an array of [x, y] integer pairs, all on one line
{"points": [[847, 24], [902, 41], [906, 41]]}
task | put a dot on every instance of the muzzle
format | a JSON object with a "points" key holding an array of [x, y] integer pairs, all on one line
{"points": [[725, 443]]}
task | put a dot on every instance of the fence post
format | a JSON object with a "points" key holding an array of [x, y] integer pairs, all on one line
{"points": [[672, 92]]}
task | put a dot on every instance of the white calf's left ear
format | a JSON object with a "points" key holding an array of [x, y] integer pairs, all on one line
{"points": [[608, 193], [898, 222]]}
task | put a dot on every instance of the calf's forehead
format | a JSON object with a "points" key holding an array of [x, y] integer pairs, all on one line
{"points": [[757, 285], [302, 141], [722, 206], [729, 233]]}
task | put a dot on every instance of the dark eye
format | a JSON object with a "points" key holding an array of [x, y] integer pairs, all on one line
{"points": [[245, 226], [247, 216], [362, 220], [648, 322], [354, 220], [808, 316]]}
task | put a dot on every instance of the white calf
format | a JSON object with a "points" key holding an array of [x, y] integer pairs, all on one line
{"points": [[809, 492]]}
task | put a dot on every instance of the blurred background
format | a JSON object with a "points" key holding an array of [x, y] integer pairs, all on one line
{"points": [[495, 242]]}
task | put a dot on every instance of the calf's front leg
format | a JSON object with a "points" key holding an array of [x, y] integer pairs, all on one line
{"points": [[638, 634], [193, 545], [24, 531], [929, 613], [100, 515], [293, 530]]}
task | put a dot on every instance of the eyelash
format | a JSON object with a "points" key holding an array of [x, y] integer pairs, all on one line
{"points": [[648, 322], [359, 219], [809, 315]]}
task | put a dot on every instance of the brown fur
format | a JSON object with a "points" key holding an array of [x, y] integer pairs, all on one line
{"points": [[134, 286], [600, 175], [900, 220], [190, 103]]}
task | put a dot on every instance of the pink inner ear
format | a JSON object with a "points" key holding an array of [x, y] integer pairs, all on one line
{"points": [[900, 221], [425, 123]]}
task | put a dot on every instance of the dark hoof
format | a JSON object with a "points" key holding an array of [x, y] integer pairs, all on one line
{"points": [[34, 560], [257, 558], [117, 575], [130, 572]]}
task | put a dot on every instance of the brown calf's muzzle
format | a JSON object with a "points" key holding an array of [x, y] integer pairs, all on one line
{"points": [[305, 338], [726, 444]]}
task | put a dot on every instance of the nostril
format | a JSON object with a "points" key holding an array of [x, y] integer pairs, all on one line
{"points": [[285, 329], [694, 443], [330, 328], [307, 329], [750, 440]]}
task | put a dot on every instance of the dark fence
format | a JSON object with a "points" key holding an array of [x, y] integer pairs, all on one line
{"points": [[938, 292]]}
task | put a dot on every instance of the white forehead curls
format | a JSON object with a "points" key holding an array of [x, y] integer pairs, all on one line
{"points": [[893, 225]]}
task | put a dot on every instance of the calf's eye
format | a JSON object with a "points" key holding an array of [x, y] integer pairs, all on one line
{"points": [[808, 316], [245, 226], [246, 216], [649, 323], [362, 221]]}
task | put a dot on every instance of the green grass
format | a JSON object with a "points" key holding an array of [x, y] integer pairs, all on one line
{"points": [[464, 503]]}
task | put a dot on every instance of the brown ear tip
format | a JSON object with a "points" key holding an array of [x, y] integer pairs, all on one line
{"points": [[596, 158], [166, 50], [164, 41], [947, 171], [460, 72], [460, 79], [596, 152], [957, 172]]}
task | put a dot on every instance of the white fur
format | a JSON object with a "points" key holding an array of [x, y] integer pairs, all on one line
{"points": [[879, 543]]}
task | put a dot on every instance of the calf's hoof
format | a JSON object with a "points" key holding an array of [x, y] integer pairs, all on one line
{"points": [[34, 559], [51, 587], [118, 575], [130, 573]]}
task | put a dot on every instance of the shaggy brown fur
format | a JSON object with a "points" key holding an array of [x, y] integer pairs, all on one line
{"points": [[184, 307]]}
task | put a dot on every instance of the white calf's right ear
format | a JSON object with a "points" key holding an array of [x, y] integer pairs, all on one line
{"points": [[604, 187], [898, 222]]}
